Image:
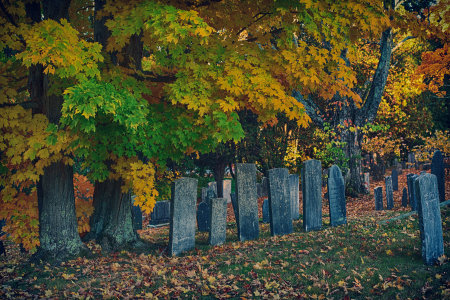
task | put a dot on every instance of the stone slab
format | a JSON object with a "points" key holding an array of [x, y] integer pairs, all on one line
{"points": [[279, 202], [218, 225], [294, 192], [378, 195], [389, 192], [336, 197], [312, 195], [437, 169]]}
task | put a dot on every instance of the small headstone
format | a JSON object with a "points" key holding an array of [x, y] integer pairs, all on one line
{"points": [[182, 215], [218, 217], [213, 186], [204, 193], [389, 193], [259, 190], [160, 214], [312, 195], [203, 212], [395, 179], [227, 190], [279, 202], [265, 211], [367, 182], [336, 197], [411, 158], [247, 203], [136, 213], [265, 187], [378, 193], [437, 169], [294, 191], [405, 198], [430, 222], [411, 192]]}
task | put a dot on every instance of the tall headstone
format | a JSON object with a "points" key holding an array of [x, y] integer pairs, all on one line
{"points": [[336, 197], [279, 202], [404, 198], [430, 222], [437, 169], [389, 193], [378, 194], [294, 191], [395, 179], [203, 212], [182, 215], [218, 225], [160, 214], [265, 211], [265, 187], [247, 203], [227, 190], [312, 195], [411, 192], [367, 182]]}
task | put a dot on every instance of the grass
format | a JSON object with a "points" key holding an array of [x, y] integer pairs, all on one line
{"points": [[358, 260]]}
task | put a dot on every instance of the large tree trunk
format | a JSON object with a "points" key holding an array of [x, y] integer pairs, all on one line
{"points": [[219, 174], [353, 180]]}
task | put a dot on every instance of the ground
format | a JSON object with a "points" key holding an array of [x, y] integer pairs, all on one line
{"points": [[360, 260]]}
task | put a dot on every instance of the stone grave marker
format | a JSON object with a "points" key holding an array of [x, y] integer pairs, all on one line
{"points": [[218, 225], [336, 197], [411, 158], [389, 193], [437, 169], [265, 187], [404, 198], [294, 192], [136, 212], [203, 212], [259, 190], [265, 211], [160, 214], [411, 192], [213, 186], [395, 179], [279, 202], [182, 215], [247, 203], [430, 223], [378, 194], [227, 190], [312, 195]]}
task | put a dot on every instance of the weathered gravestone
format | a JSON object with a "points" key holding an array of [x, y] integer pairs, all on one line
{"points": [[336, 197], [389, 193], [395, 179], [411, 192], [136, 212], [312, 195], [247, 203], [426, 188], [259, 190], [218, 225], [437, 169], [182, 215], [378, 194], [404, 198], [160, 214], [411, 159], [265, 211], [367, 182], [294, 191], [227, 190], [265, 187], [279, 202], [203, 212], [213, 186]]}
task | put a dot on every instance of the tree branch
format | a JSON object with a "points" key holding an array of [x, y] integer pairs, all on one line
{"points": [[310, 107], [402, 42], [7, 14]]}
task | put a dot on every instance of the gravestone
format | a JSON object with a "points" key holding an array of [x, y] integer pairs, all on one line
{"points": [[279, 202], [430, 223], [213, 186], [395, 179], [405, 198], [367, 182], [265, 211], [203, 212], [218, 225], [247, 203], [265, 187], [227, 190], [204, 192], [403, 163], [389, 193], [160, 214], [411, 192], [294, 191], [437, 169], [378, 194], [312, 195], [259, 190], [411, 158], [336, 197], [182, 215], [235, 209], [136, 213]]}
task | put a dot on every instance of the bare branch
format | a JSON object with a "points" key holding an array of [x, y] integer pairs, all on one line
{"points": [[402, 42]]}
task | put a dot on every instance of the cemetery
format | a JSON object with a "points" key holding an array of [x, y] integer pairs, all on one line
{"points": [[219, 149]]}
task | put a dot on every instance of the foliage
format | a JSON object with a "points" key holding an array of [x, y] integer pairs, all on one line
{"points": [[329, 149], [439, 140]]}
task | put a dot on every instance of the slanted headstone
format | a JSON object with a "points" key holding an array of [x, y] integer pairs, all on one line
{"points": [[265, 211], [227, 190], [389, 193], [437, 169], [218, 225], [235, 209], [312, 195], [203, 212], [247, 203], [411, 192], [404, 198], [378, 194], [430, 222], [182, 215], [279, 202], [160, 214], [336, 197], [294, 191], [395, 179], [265, 187], [367, 182]]}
